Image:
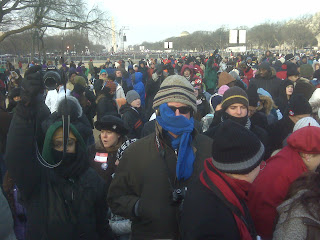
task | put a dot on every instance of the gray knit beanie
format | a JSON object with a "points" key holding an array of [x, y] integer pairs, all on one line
{"points": [[176, 88], [132, 95]]}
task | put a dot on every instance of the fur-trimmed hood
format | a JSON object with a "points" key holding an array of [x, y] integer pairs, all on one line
{"points": [[266, 104]]}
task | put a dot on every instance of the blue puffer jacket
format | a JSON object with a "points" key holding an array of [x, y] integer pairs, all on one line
{"points": [[139, 87]]}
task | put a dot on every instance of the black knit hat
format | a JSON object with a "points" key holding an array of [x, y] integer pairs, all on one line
{"points": [[234, 95], [299, 105], [292, 69], [15, 92], [236, 149], [112, 123]]}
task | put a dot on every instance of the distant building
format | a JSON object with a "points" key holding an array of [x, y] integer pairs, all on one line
{"points": [[184, 33]]}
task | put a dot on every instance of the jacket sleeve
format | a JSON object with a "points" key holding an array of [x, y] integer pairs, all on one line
{"points": [[20, 155], [124, 190]]}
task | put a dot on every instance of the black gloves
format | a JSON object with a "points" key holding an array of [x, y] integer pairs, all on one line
{"points": [[31, 85]]}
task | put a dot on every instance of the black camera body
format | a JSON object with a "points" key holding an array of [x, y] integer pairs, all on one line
{"points": [[178, 195], [53, 77]]}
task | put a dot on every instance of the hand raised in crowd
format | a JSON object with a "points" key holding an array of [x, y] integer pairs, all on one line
{"points": [[32, 84]]}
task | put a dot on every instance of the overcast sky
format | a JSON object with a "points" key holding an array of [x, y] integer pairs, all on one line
{"points": [[157, 20]]}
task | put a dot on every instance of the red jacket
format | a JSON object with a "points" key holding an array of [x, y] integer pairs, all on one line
{"points": [[248, 73], [271, 186]]}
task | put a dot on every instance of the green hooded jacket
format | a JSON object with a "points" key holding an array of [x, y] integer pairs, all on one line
{"points": [[210, 76], [47, 146]]}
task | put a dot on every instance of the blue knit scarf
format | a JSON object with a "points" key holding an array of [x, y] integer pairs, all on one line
{"points": [[181, 126]]}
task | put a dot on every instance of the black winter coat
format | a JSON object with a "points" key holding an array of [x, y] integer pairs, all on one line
{"points": [[278, 132], [57, 208], [106, 106], [206, 217], [270, 83], [152, 87], [133, 120], [90, 109]]}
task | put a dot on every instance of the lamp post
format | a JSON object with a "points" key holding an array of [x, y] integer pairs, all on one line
{"points": [[62, 48]]}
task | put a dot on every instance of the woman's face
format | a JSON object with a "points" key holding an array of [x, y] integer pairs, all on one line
{"points": [[289, 90], [313, 162], [109, 138], [17, 98]]}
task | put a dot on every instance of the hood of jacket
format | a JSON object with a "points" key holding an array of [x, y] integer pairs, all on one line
{"points": [[187, 67], [138, 77], [266, 104], [47, 146]]}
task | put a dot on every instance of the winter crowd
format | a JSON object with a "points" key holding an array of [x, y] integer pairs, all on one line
{"points": [[188, 148]]}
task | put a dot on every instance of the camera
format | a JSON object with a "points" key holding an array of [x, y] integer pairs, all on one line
{"points": [[178, 195], [52, 77]]}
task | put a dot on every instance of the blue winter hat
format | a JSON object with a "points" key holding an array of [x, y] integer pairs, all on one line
{"points": [[263, 92], [103, 71]]}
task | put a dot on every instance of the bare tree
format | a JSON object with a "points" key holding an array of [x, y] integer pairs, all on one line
{"points": [[17, 16]]}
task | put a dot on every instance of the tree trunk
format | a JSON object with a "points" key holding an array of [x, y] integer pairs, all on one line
{"points": [[33, 46], [43, 50]]}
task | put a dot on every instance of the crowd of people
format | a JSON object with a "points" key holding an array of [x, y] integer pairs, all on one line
{"points": [[196, 147]]}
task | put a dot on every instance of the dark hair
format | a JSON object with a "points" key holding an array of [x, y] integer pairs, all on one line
{"points": [[112, 77], [310, 199]]}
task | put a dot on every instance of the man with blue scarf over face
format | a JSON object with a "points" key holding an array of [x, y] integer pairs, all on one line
{"points": [[155, 171]]}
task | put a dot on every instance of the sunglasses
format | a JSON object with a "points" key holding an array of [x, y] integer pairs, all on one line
{"points": [[182, 110]]}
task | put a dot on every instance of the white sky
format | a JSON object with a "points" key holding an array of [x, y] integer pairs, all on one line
{"points": [[157, 20]]}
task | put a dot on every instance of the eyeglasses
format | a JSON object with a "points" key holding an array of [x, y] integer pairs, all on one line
{"points": [[58, 144], [182, 110], [263, 165]]}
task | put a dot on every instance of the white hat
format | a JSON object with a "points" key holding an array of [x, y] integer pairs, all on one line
{"points": [[315, 100], [304, 122]]}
